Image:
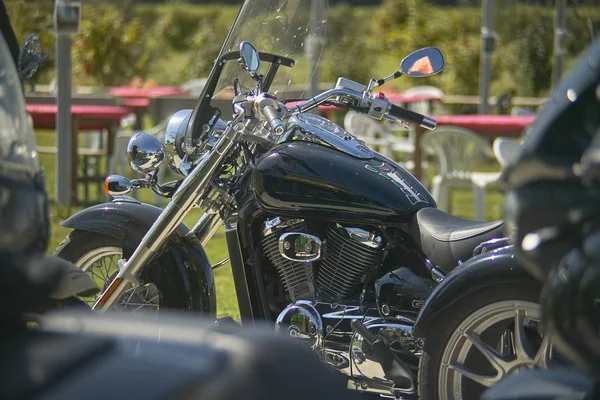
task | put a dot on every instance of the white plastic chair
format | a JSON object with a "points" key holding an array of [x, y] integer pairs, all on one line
{"points": [[456, 150], [194, 87], [423, 107], [505, 150]]}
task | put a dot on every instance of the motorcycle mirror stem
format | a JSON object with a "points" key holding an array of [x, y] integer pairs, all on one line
{"points": [[380, 82]]}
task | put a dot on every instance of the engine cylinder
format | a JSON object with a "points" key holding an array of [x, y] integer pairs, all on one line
{"points": [[351, 253], [298, 277]]}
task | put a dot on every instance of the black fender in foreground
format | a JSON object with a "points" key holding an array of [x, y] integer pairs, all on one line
{"points": [[494, 267], [182, 269]]}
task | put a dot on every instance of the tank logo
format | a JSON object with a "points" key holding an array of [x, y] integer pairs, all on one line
{"points": [[388, 171]]}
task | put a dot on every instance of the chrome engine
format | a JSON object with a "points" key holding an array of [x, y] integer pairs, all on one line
{"points": [[319, 275], [345, 257]]}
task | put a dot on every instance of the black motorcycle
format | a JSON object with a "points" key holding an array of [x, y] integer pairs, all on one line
{"points": [[336, 244], [552, 200]]}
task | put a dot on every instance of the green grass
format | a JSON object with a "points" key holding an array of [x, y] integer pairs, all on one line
{"points": [[462, 205]]}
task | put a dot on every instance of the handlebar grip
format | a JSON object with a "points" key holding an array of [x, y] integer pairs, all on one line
{"points": [[419, 119], [274, 119]]}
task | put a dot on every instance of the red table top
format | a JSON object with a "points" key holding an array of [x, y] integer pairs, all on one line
{"points": [[488, 123], [411, 98], [129, 92], [89, 117], [135, 102]]}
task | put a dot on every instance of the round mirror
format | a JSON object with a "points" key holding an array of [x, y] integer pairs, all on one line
{"points": [[249, 57], [145, 152], [30, 56], [423, 62]]}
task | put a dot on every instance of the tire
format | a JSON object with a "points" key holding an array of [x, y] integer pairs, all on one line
{"points": [[442, 339], [79, 247]]}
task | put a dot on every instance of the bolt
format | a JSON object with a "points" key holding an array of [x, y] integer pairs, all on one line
{"points": [[308, 247], [287, 245], [329, 329], [385, 309], [363, 385]]}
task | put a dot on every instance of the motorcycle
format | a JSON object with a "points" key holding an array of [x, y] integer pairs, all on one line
{"points": [[70, 354], [552, 200], [339, 246]]}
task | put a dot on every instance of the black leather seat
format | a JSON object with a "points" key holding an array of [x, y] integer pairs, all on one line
{"points": [[446, 239]]}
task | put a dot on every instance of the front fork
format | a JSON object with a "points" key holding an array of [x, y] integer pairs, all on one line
{"points": [[188, 195]]}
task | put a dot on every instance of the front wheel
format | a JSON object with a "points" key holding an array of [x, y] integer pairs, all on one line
{"points": [[480, 339], [98, 255]]}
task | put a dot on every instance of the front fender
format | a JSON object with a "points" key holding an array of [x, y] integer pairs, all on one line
{"points": [[483, 270], [182, 269]]}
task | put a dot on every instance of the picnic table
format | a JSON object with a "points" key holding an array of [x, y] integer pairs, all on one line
{"points": [[84, 118], [138, 99], [488, 126]]}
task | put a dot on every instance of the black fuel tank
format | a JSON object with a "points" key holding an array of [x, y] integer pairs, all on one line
{"points": [[304, 180]]}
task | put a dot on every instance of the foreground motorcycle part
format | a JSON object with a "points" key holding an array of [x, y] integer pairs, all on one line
{"points": [[76, 355]]}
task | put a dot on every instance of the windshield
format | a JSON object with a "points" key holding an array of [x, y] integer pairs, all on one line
{"points": [[288, 28], [18, 156]]}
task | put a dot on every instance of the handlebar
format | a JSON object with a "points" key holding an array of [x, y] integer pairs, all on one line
{"points": [[274, 119], [411, 116], [363, 100]]}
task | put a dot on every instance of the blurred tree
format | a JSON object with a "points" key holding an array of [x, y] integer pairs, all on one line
{"points": [[346, 53], [205, 45], [29, 17], [110, 51]]}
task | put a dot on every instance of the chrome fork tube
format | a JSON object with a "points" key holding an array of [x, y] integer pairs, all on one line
{"points": [[206, 227], [183, 200]]}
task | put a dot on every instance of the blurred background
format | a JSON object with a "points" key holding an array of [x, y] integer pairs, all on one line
{"points": [[161, 50]]}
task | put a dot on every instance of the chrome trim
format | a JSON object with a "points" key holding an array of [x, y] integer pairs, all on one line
{"points": [[299, 246], [117, 185], [220, 264], [428, 123], [276, 223], [491, 245], [313, 128], [308, 328], [125, 199], [342, 93], [206, 227], [437, 275], [364, 237]]}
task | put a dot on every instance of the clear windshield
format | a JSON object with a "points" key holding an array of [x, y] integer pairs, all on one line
{"points": [[18, 154], [289, 28]]}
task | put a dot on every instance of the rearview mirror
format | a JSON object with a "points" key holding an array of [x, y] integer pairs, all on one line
{"points": [[423, 62], [249, 58]]}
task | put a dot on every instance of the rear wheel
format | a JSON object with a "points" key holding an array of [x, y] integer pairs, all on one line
{"points": [[98, 255], [481, 339]]}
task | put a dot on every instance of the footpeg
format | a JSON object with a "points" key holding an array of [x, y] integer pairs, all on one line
{"points": [[394, 368]]}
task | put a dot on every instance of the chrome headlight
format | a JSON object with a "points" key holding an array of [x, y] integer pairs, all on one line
{"points": [[145, 153], [178, 160]]}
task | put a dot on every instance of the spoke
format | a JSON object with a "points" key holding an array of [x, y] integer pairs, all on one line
{"points": [[522, 348], [484, 380], [542, 358], [488, 352]]}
